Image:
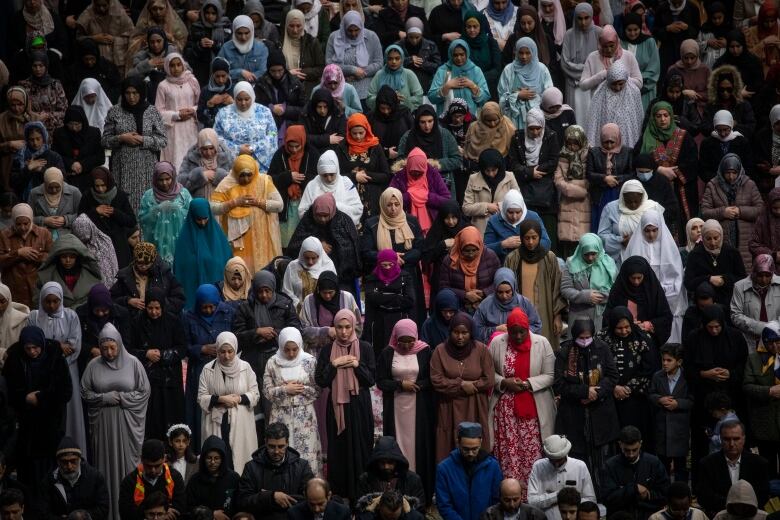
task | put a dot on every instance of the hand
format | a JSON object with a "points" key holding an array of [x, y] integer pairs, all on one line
{"points": [[16, 145], [157, 63], [409, 386], [67, 350], [94, 352], [626, 239], [220, 515], [172, 514], [327, 247], [36, 164], [294, 388], [359, 73], [332, 332], [245, 202], [526, 94], [54, 222], [667, 172], [297, 177], [417, 61], [501, 328], [644, 493], [557, 325], [645, 326], [335, 138], [448, 37], [611, 181], [267, 333], [512, 242], [76, 167], [746, 93], [32, 398], [715, 374], [731, 212], [513, 384], [229, 401], [468, 387], [248, 76], [448, 242], [621, 392], [593, 393], [671, 404], [400, 260], [283, 500], [492, 208], [136, 303], [105, 39], [127, 138], [278, 110], [596, 298], [206, 43], [392, 152], [774, 392], [209, 350], [29, 253], [111, 398], [538, 174], [400, 96], [153, 355], [717, 281], [473, 297], [298, 73], [362, 177]]}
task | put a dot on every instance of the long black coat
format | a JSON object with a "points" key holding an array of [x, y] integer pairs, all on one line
{"points": [[116, 226], [596, 170], [89, 155], [539, 194], [160, 276], [89, 493], [672, 427], [660, 190], [714, 480], [376, 166], [700, 266], [385, 305], [620, 480], [281, 174]]}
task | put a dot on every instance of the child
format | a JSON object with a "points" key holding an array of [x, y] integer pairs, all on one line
{"points": [[670, 394], [216, 94], [180, 455], [718, 405], [457, 120], [568, 503]]}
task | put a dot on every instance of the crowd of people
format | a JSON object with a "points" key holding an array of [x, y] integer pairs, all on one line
{"points": [[310, 259]]}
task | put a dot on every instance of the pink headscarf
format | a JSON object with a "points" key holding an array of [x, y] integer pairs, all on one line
{"points": [[418, 188], [387, 276], [333, 72], [608, 34], [345, 384], [406, 328]]}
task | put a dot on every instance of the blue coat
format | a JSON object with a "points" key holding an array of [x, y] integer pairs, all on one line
{"points": [[497, 230], [459, 497], [254, 61]]}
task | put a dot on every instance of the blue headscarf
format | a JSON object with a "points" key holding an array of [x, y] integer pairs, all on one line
{"points": [[207, 293], [201, 252], [503, 16], [26, 153], [530, 75], [395, 79], [467, 68]]}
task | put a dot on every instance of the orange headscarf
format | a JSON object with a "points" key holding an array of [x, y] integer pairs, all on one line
{"points": [[355, 147], [295, 134], [234, 190], [468, 236]]}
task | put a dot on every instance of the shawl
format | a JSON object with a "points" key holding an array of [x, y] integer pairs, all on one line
{"points": [[345, 383], [623, 108], [577, 160], [578, 44], [395, 78], [689, 47], [239, 218], [468, 236], [208, 137], [243, 86], [459, 353], [440, 231], [53, 176], [342, 42], [236, 266], [690, 243], [389, 128], [523, 404], [662, 254], [431, 142], [227, 376], [186, 76], [331, 73], [417, 187], [369, 141], [653, 133], [107, 197], [480, 45], [609, 35], [159, 169], [629, 219], [436, 328], [245, 22], [533, 145], [406, 328], [312, 23], [291, 46], [201, 251], [41, 20], [481, 136], [398, 224], [96, 110], [290, 335], [27, 153], [552, 98], [558, 20], [712, 226], [460, 71], [262, 279], [137, 110], [323, 263], [12, 320], [493, 309], [99, 245], [537, 34], [207, 294], [513, 200], [536, 255], [328, 281], [503, 16], [601, 272], [328, 163], [56, 325], [492, 158], [648, 293], [387, 275], [530, 75], [724, 118]]}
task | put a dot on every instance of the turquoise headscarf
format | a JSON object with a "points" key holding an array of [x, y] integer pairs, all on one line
{"points": [[602, 272], [395, 79], [529, 75], [201, 252], [467, 68]]}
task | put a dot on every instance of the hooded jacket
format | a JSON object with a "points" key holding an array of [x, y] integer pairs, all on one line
{"points": [[407, 482], [89, 273], [215, 492], [741, 494]]}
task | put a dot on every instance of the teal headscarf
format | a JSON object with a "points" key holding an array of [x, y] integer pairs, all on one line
{"points": [[201, 252], [395, 79], [465, 70], [602, 272], [479, 46]]}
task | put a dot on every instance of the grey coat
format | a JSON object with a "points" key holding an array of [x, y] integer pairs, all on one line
{"points": [[671, 427], [746, 309], [576, 291], [191, 172], [349, 64], [68, 206]]}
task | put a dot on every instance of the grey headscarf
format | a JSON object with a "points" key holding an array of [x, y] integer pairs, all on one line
{"points": [[263, 279], [109, 333], [494, 312], [256, 7], [581, 43]]}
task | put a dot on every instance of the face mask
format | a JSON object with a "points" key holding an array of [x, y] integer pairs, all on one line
{"points": [[644, 176], [583, 342]]}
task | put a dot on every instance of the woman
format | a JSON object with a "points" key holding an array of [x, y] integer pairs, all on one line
{"points": [[765, 239], [402, 80], [608, 168], [693, 236], [748, 64], [157, 340], [207, 35], [21, 275], [55, 203], [713, 33], [135, 133], [559, 116], [201, 250], [578, 43], [457, 119], [618, 101], [502, 19], [149, 62], [762, 37], [460, 78], [695, 74], [330, 180], [523, 406], [248, 204], [726, 90], [422, 54], [490, 320], [766, 156], [485, 52], [302, 49], [93, 100], [390, 22], [469, 269], [38, 388], [529, 23], [109, 209], [424, 191], [205, 164], [723, 140], [620, 218], [159, 14], [522, 83], [346, 368], [587, 280], [394, 229], [439, 240], [99, 310], [574, 211], [12, 124], [435, 329], [403, 375], [344, 94], [12, 320], [446, 22], [357, 51], [675, 152], [101, 62], [644, 48], [227, 394], [177, 102], [33, 159], [501, 234], [389, 121], [99, 246], [488, 187], [363, 161], [71, 265], [733, 199], [78, 144], [47, 97], [491, 130], [300, 277], [317, 314], [163, 210], [247, 128], [216, 93], [462, 376], [289, 384], [247, 56], [62, 325], [324, 124], [553, 20]]}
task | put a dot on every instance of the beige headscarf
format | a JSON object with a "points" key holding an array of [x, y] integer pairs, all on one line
{"points": [[345, 384], [403, 233], [208, 137], [236, 265], [53, 176], [480, 136], [12, 321], [291, 48], [22, 210]]}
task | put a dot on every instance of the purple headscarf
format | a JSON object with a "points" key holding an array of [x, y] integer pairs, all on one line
{"points": [[387, 276], [160, 168]]}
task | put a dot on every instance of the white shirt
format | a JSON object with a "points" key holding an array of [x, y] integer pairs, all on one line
{"points": [[733, 468], [546, 480], [672, 380]]}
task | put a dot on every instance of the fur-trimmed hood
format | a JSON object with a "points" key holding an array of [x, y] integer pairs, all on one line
{"points": [[712, 82]]}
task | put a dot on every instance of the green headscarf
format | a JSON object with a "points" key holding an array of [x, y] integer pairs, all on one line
{"points": [[479, 46], [653, 134], [602, 272], [577, 160]]}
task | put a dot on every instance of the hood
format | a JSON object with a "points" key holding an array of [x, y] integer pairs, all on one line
{"points": [[213, 443], [69, 243], [742, 493], [223, 153], [261, 457], [387, 448], [712, 86]]}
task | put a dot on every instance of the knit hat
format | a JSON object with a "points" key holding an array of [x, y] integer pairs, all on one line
{"points": [[68, 446], [275, 57], [220, 63], [469, 430], [556, 447]]}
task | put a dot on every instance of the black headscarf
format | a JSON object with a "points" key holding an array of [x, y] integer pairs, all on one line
{"points": [[75, 113], [633, 19], [722, 30], [430, 143], [139, 108], [492, 158], [648, 292], [439, 231], [154, 332], [614, 317], [530, 256], [389, 128], [455, 352], [328, 281], [321, 123], [42, 57], [275, 57], [160, 32]]}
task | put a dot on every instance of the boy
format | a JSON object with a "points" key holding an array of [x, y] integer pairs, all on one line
{"points": [[719, 406], [569, 502]]}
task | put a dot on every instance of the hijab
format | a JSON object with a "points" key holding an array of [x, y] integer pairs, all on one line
{"points": [[767, 13], [333, 72], [492, 158], [533, 145], [552, 97], [662, 254], [406, 328], [207, 293], [493, 309], [96, 112], [396, 79], [502, 16], [163, 196], [455, 352], [631, 18], [531, 256], [577, 160], [724, 118], [232, 369], [481, 52], [137, 82], [46, 79], [763, 263], [320, 123], [99, 245], [41, 20], [648, 292], [295, 134], [622, 110], [417, 187], [538, 35], [717, 31], [435, 329], [636, 338], [480, 137], [12, 319], [76, 114], [327, 281], [712, 226], [430, 143], [398, 224], [243, 21], [629, 219], [690, 244], [236, 265], [51, 176], [342, 42], [391, 127], [609, 35], [653, 133], [311, 19], [291, 47], [56, 324], [186, 77], [558, 20], [439, 231], [460, 71], [208, 137], [243, 86], [532, 74], [689, 46], [217, 64], [323, 263], [513, 200], [390, 274], [731, 161], [22, 210], [345, 383], [109, 333], [601, 273], [369, 141], [468, 236], [102, 173], [261, 311], [21, 94], [581, 43], [286, 335], [523, 404]]}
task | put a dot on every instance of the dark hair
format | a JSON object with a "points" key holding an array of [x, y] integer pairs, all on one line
{"points": [[391, 500], [79, 514], [200, 513], [277, 430], [8, 198], [630, 435], [674, 350], [569, 496], [10, 497], [189, 455], [152, 450], [154, 499], [717, 401], [588, 507], [678, 490]]}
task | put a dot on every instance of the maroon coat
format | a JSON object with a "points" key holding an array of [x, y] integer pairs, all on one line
{"points": [[454, 279], [438, 193]]}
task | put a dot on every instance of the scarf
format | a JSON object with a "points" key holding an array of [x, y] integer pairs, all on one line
{"points": [[312, 21], [468, 236], [712, 226], [417, 187], [687, 47], [287, 335], [137, 82], [398, 224], [770, 361], [690, 243], [492, 158], [162, 196], [435, 329], [186, 77], [406, 328], [291, 47], [523, 403], [46, 79], [454, 351], [653, 133], [387, 275], [140, 484], [513, 200], [236, 265], [480, 47], [531, 256], [263, 279], [553, 97], [537, 34], [219, 64], [41, 21], [369, 141], [724, 118], [342, 42], [558, 20], [102, 173], [577, 160], [328, 281], [208, 137], [530, 75], [207, 293], [242, 21], [295, 134], [431, 142], [601, 273], [345, 384], [481, 137], [332, 72], [533, 145], [395, 79], [572, 361], [503, 16], [53, 176], [609, 35], [631, 18], [629, 219]]}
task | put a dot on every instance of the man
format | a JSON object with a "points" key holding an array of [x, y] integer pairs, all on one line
{"points": [[23, 249], [569, 503], [468, 480], [678, 505], [741, 504], [390, 505], [634, 481], [318, 504], [388, 469], [12, 505], [74, 485], [556, 472], [720, 470], [588, 511], [153, 474], [510, 505], [274, 480], [155, 506]]}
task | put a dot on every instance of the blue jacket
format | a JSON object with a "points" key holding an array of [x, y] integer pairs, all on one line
{"points": [[254, 61], [460, 497], [497, 230]]}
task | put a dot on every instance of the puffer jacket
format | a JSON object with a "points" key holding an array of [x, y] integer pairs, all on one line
{"points": [[217, 492], [254, 61], [478, 196], [574, 209], [539, 194], [191, 171]]}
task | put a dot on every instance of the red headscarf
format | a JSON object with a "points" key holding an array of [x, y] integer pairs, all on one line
{"points": [[295, 134], [768, 11], [523, 403], [417, 187], [355, 147]]}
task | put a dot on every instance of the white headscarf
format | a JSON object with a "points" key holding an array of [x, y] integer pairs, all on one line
{"points": [[342, 188], [513, 200], [311, 24], [291, 368], [231, 370], [723, 118], [96, 112], [240, 21], [534, 117], [244, 86], [12, 321], [629, 219], [57, 324], [324, 263]]}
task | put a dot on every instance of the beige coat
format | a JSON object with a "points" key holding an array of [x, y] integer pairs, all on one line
{"points": [[477, 198], [541, 380], [574, 209]]}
